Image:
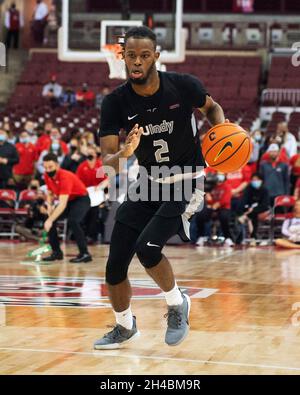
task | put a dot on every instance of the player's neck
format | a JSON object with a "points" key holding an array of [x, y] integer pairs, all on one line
{"points": [[150, 88]]}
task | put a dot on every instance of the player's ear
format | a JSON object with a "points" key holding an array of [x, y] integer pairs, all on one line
{"points": [[156, 55]]}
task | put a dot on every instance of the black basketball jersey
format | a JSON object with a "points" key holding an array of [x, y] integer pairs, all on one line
{"points": [[170, 135]]}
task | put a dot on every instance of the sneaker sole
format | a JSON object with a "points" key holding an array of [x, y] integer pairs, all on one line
{"points": [[116, 346], [188, 325]]}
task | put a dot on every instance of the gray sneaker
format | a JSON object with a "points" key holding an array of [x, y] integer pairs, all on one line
{"points": [[119, 335], [178, 322]]}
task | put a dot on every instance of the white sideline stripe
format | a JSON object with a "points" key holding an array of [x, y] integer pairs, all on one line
{"points": [[106, 354]]}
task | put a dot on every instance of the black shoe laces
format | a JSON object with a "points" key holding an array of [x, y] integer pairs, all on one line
{"points": [[174, 318], [115, 333]]}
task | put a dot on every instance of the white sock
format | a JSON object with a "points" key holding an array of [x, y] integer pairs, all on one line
{"points": [[125, 318], [174, 297]]}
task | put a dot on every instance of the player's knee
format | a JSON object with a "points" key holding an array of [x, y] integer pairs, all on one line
{"points": [[149, 256], [115, 273]]}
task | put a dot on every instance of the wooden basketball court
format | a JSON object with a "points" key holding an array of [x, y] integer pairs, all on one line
{"points": [[245, 316]]}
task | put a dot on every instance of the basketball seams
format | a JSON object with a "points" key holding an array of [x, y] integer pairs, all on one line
{"points": [[247, 138], [225, 137]]}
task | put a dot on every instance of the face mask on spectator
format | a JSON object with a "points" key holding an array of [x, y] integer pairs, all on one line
{"points": [[34, 187], [256, 184], [91, 157], [220, 177], [3, 137], [257, 138], [73, 148], [55, 146], [24, 140]]}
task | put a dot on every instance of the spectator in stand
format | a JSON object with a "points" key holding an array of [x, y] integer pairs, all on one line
{"points": [[238, 181], [13, 22], [74, 158], [291, 230], [289, 141], [255, 204], [85, 97], [297, 190], [275, 173], [8, 158], [52, 91], [29, 127], [89, 137], [68, 98], [44, 136], [218, 203], [39, 21], [23, 172], [295, 171], [54, 135], [52, 24], [256, 144], [100, 96], [54, 148], [282, 156], [89, 172]]}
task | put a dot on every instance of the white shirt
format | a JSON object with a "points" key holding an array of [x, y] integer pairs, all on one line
{"points": [[57, 89], [41, 11], [7, 20], [291, 229], [290, 145]]}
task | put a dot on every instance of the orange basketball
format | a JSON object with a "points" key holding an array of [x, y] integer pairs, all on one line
{"points": [[226, 147]]}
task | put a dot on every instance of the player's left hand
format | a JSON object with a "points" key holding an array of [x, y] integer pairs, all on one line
{"points": [[48, 225]]}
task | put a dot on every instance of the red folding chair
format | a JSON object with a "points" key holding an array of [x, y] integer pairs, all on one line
{"points": [[286, 202], [8, 199]]}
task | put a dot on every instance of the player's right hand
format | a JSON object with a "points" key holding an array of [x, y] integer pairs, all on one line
{"points": [[132, 141]]}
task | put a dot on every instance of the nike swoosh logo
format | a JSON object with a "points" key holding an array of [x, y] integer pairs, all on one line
{"points": [[228, 144], [130, 118], [152, 245]]}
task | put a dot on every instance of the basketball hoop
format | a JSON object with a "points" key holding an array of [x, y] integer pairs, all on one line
{"points": [[113, 55]]}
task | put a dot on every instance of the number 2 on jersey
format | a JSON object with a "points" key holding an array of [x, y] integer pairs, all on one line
{"points": [[164, 149]]}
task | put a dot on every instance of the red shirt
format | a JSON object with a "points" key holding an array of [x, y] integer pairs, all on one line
{"points": [[236, 178], [297, 186], [44, 143], [27, 156], [88, 175], [87, 97], [282, 157], [221, 194], [295, 164], [65, 183]]}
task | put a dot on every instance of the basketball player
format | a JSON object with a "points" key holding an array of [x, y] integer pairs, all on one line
{"points": [[155, 109]]}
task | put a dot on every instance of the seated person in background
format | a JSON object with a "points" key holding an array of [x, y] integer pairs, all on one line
{"points": [[89, 172], [55, 148], [217, 205], [100, 96], [74, 158], [238, 181], [282, 154], [275, 174], [8, 158], [291, 230], [52, 91], [289, 141], [68, 98], [85, 97], [36, 214], [23, 172], [255, 203], [297, 189]]}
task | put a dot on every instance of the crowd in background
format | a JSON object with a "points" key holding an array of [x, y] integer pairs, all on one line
{"points": [[244, 196]]}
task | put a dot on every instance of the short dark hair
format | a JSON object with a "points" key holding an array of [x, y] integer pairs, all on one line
{"points": [[140, 32], [49, 157], [258, 175]]}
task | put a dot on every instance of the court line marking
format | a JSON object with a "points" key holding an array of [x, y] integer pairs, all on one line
{"points": [[106, 354]]}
